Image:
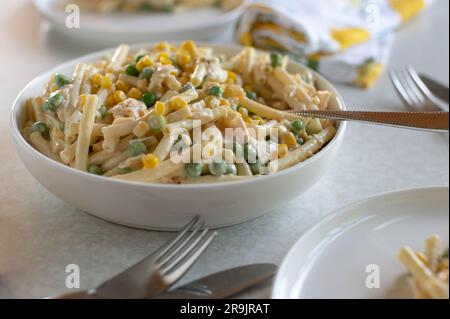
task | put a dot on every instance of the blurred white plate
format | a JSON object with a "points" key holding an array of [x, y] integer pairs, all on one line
{"points": [[330, 260], [111, 29]]}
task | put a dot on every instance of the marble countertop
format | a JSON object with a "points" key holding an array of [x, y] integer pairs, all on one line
{"points": [[40, 234]]}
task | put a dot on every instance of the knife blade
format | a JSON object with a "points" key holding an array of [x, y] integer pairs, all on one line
{"points": [[438, 89], [223, 284]]}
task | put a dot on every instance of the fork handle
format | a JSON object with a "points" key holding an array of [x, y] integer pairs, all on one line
{"points": [[427, 121]]}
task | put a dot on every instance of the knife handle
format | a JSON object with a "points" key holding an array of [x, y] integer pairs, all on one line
{"points": [[428, 121]]}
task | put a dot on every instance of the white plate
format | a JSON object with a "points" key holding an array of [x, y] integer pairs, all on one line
{"points": [[330, 260], [111, 29]]}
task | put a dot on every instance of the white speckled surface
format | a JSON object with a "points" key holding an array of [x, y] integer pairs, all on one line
{"points": [[40, 235]]}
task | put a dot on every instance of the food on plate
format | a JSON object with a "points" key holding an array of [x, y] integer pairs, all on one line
{"points": [[179, 114], [108, 6], [428, 269]]}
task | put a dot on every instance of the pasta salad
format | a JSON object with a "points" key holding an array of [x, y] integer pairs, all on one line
{"points": [[179, 114], [428, 270], [108, 6]]}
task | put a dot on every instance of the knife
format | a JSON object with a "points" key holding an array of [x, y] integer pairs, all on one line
{"points": [[223, 284], [438, 89]]}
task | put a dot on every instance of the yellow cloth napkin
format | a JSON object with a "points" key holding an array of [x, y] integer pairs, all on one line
{"points": [[346, 40]]}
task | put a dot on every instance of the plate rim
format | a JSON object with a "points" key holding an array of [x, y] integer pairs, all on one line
{"points": [[224, 18], [276, 290]]}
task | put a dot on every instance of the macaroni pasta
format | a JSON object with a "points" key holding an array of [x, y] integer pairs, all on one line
{"points": [[179, 114]]}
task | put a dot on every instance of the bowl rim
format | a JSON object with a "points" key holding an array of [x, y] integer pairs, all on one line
{"points": [[224, 18], [20, 140]]}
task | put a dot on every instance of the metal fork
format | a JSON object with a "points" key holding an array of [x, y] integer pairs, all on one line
{"points": [[156, 273], [413, 91]]}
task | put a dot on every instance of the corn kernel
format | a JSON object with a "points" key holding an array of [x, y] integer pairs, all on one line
{"points": [[243, 111], [290, 140], [144, 63], [107, 83], [248, 88], [135, 94], [97, 79], [160, 108], [189, 46], [184, 59], [122, 86], [282, 150], [150, 161], [178, 102], [141, 129], [162, 46], [225, 102], [233, 91], [120, 96], [232, 77], [111, 101], [248, 120], [185, 78], [212, 101], [260, 120], [82, 99], [165, 61]]}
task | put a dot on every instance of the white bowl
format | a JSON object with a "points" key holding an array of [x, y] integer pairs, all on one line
{"points": [[167, 207], [110, 29]]}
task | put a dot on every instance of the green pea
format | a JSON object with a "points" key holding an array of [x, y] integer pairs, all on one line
{"points": [[95, 169], [157, 122], [102, 110], [149, 99], [40, 128], [187, 87], [216, 91], [168, 8], [147, 73], [231, 169], [140, 57], [297, 126], [123, 171], [255, 167], [250, 153], [137, 148], [238, 151], [146, 7], [194, 169], [132, 70], [313, 64], [53, 102], [300, 141], [62, 80], [218, 168], [251, 95], [276, 59]]}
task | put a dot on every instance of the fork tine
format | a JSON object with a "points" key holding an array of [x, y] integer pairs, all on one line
{"points": [[168, 246], [418, 81], [413, 90], [400, 88], [176, 248], [191, 243], [180, 268]]}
